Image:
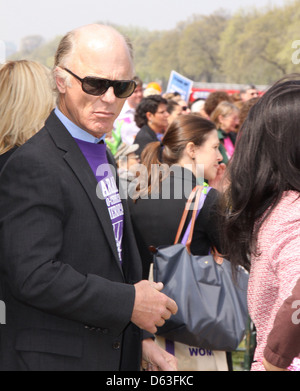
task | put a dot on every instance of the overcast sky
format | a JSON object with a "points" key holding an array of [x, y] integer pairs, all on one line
{"points": [[20, 18]]}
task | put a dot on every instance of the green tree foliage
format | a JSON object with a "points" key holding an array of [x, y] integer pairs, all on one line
{"points": [[163, 53], [233, 47], [199, 47], [31, 43], [251, 46], [44, 53], [291, 34]]}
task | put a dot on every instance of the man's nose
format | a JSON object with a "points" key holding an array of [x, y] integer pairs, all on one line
{"points": [[109, 95]]}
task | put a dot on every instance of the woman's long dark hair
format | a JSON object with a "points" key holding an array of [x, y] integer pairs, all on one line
{"points": [[266, 163]]}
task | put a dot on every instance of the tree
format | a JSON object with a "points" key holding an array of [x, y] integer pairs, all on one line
{"points": [[251, 46], [289, 51], [31, 43], [199, 47], [163, 56], [43, 54], [233, 47]]}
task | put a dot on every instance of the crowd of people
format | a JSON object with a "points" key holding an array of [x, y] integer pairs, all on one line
{"points": [[96, 167]]}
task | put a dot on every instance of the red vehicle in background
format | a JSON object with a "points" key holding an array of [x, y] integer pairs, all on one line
{"points": [[202, 90]]}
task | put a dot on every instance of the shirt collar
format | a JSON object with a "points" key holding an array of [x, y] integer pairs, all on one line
{"points": [[76, 131]]}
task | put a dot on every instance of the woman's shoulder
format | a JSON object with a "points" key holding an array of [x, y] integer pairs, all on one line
{"points": [[145, 131], [287, 210], [213, 193], [290, 198], [5, 156], [211, 203], [282, 224]]}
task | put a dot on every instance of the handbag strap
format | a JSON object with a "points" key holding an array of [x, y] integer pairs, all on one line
{"points": [[194, 217], [185, 214], [197, 191]]}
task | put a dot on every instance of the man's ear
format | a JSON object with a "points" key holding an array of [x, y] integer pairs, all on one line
{"points": [[60, 80]]}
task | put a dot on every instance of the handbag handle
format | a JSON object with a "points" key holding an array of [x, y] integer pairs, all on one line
{"points": [[197, 191]]}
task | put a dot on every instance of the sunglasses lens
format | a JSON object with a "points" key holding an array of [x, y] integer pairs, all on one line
{"points": [[124, 89], [94, 86]]}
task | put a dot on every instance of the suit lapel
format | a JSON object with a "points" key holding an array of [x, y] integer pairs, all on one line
{"points": [[81, 168]]}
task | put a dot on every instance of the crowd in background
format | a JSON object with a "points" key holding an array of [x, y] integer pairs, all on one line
{"points": [[161, 128], [149, 112]]}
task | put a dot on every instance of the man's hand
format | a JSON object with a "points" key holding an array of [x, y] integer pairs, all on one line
{"points": [[151, 308], [157, 359]]}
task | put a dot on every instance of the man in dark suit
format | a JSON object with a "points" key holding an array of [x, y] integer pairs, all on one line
{"points": [[70, 268]]}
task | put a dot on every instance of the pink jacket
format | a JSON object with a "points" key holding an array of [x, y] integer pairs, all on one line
{"points": [[275, 270]]}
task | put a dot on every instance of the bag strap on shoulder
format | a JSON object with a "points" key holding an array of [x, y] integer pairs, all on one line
{"points": [[195, 194], [194, 217]]}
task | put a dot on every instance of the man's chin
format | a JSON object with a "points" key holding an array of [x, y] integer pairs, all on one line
{"points": [[98, 131]]}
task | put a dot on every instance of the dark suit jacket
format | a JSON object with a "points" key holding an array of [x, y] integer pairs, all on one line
{"points": [[156, 221], [3, 159], [68, 300], [144, 137], [6, 156]]}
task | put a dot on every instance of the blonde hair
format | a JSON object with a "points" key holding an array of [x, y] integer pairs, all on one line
{"points": [[26, 100], [224, 108]]}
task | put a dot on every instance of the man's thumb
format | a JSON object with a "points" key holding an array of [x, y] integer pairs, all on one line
{"points": [[159, 286]]}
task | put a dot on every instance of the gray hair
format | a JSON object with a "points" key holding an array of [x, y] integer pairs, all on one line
{"points": [[64, 52]]}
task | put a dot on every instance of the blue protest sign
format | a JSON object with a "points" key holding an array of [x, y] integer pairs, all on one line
{"points": [[180, 84]]}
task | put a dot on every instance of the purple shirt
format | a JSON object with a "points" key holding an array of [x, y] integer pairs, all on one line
{"points": [[96, 156]]}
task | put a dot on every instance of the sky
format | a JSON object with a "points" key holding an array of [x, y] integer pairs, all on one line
{"points": [[21, 18]]}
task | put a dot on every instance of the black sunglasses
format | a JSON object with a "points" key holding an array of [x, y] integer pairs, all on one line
{"points": [[97, 86]]}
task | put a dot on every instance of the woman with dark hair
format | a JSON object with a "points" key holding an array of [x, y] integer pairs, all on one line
{"points": [[190, 152], [262, 230], [152, 118]]}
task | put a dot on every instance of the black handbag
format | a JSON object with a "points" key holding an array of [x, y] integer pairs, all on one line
{"points": [[212, 306]]}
